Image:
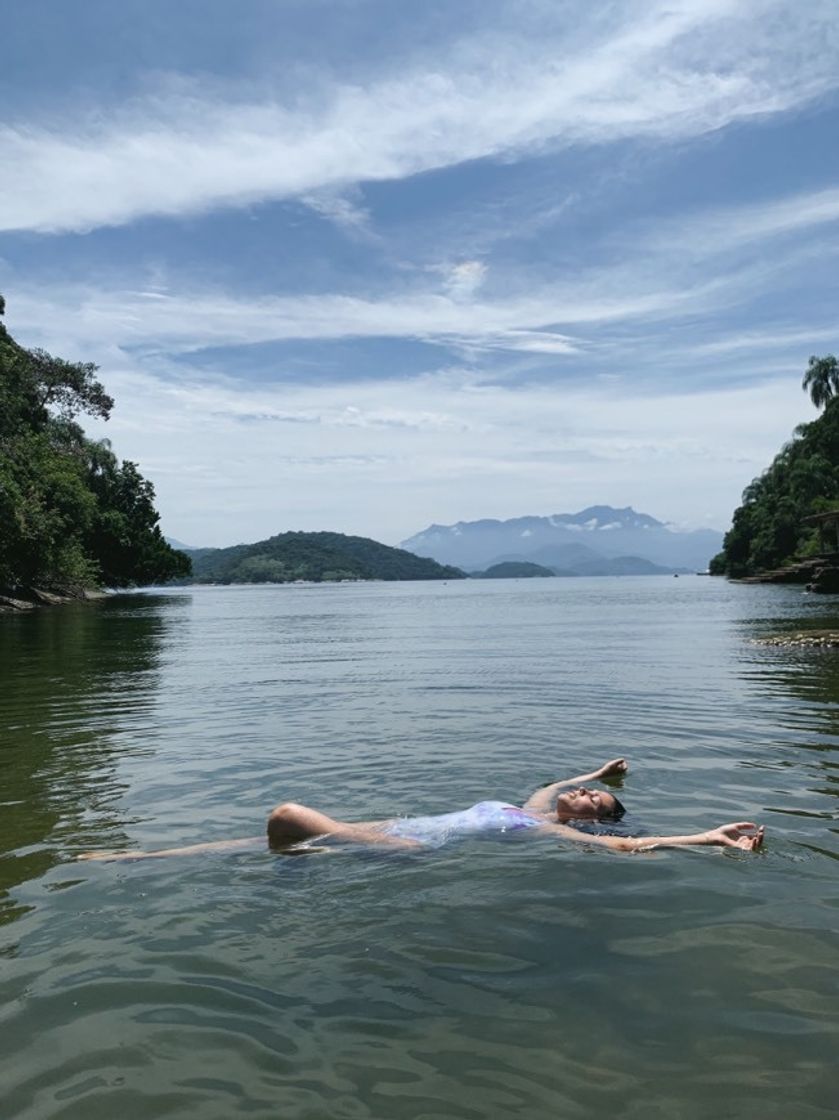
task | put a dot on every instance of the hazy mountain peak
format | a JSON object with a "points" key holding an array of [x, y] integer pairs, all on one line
{"points": [[184, 547], [607, 518], [612, 532]]}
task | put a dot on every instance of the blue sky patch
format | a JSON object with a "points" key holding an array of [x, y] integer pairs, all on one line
{"points": [[355, 266]]}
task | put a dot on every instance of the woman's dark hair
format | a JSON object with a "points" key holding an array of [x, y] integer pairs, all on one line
{"points": [[617, 812]]}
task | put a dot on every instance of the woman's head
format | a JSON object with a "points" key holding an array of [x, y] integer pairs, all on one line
{"points": [[588, 804]]}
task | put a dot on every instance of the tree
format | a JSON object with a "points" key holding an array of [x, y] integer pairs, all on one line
{"points": [[768, 529], [822, 379], [71, 515], [124, 535]]}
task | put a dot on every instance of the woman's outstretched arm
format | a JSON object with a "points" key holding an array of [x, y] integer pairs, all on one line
{"points": [[542, 801], [741, 834]]}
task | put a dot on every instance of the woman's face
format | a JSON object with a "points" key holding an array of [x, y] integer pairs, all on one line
{"points": [[583, 802]]}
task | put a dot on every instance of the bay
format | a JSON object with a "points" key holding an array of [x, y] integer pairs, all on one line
{"points": [[496, 976]]}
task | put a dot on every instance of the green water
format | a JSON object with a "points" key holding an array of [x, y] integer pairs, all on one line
{"points": [[498, 976]]}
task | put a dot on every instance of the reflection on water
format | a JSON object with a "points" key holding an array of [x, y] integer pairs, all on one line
{"points": [[802, 685], [78, 689], [498, 976]]}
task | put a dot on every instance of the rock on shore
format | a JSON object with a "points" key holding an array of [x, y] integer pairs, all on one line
{"points": [[31, 597], [819, 573], [823, 639]]}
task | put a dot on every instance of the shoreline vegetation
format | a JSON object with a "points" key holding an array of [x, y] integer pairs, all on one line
{"points": [[776, 535], [74, 518]]}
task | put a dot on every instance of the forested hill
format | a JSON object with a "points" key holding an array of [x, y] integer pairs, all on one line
{"points": [[767, 529], [313, 557], [71, 516]]}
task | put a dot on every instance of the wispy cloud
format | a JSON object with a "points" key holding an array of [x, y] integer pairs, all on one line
{"points": [[729, 229], [610, 316], [522, 341], [464, 279], [500, 450], [343, 208], [677, 69], [343, 416], [97, 318], [770, 340]]}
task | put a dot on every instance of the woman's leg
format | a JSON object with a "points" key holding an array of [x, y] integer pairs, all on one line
{"points": [[291, 822], [209, 846]]}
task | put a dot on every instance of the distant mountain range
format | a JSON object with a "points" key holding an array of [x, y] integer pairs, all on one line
{"points": [[599, 540]]}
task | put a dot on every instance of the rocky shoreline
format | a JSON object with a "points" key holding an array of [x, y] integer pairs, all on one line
{"points": [[818, 573], [22, 599], [804, 639]]}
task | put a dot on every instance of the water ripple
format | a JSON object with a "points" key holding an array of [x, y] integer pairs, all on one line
{"points": [[497, 976]]}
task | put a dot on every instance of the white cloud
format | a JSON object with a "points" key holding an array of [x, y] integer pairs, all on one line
{"points": [[529, 342], [642, 289], [96, 318], [770, 340], [665, 70], [464, 279], [434, 449], [342, 208], [731, 228], [635, 297]]}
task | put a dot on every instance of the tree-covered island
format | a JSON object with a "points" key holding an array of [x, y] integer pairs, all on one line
{"points": [[776, 529], [515, 569], [72, 517], [313, 557]]}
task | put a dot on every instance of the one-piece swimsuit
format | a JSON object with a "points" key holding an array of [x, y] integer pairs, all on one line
{"points": [[486, 816]]}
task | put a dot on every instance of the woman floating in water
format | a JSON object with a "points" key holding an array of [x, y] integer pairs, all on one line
{"points": [[546, 812]]}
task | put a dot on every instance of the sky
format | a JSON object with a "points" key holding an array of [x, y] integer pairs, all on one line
{"points": [[363, 266]]}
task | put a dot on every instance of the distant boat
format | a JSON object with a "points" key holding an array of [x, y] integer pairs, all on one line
{"points": [[705, 573]]}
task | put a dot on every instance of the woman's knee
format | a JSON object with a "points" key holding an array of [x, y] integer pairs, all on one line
{"points": [[287, 822]]}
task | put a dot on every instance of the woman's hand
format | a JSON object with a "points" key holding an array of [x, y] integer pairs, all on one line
{"points": [[741, 834], [613, 769]]}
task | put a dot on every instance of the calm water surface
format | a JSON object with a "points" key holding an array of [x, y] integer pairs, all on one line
{"points": [[504, 976]]}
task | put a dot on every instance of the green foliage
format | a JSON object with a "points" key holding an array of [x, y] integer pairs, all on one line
{"points": [[314, 557], [821, 380], [803, 479], [262, 569], [72, 516]]}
